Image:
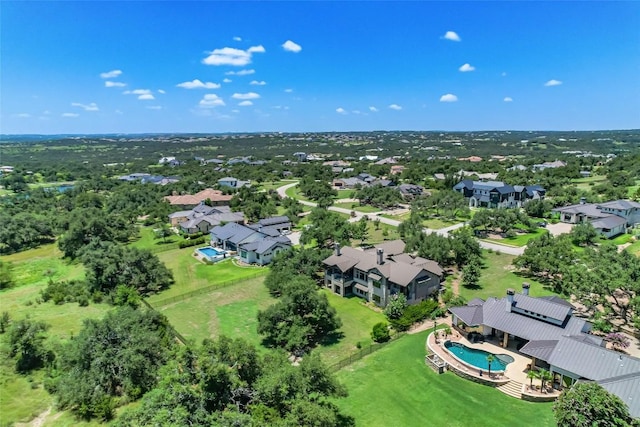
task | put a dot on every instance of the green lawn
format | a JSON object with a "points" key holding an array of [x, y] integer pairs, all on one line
{"points": [[437, 223], [632, 190], [230, 310], [191, 274], [346, 194], [357, 323], [294, 193], [519, 239], [275, 184], [394, 387], [587, 183], [497, 276], [36, 266], [401, 217], [356, 207], [149, 241], [376, 236]]}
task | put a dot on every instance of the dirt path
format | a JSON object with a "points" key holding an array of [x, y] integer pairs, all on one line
{"points": [[40, 419]]}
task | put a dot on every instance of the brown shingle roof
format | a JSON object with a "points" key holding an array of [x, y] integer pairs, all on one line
{"points": [[194, 199]]}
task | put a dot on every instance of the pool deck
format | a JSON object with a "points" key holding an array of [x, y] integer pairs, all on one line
{"points": [[516, 370]]}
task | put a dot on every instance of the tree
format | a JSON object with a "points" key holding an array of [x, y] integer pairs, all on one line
{"points": [[327, 228], [490, 359], [118, 356], [587, 405], [300, 319], [545, 376], [619, 341], [583, 234], [532, 375], [6, 276], [380, 332], [471, 274], [163, 231], [396, 306], [26, 345]]}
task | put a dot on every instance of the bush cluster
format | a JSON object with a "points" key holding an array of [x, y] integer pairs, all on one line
{"points": [[188, 243], [414, 313], [63, 292]]}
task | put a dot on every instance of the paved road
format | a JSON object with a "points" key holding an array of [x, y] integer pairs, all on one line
{"points": [[511, 250]]}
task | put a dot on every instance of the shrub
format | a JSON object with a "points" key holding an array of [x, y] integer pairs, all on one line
{"points": [[188, 243], [380, 332], [62, 292]]}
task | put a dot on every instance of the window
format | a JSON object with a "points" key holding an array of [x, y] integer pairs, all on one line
{"points": [[243, 254], [376, 284], [376, 298], [360, 275]]}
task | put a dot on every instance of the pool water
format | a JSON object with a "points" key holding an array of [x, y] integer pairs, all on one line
{"points": [[478, 358], [211, 252]]}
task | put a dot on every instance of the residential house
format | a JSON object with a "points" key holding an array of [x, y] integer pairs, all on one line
{"points": [[548, 165], [546, 329], [202, 218], [188, 201], [386, 161], [233, 182], [361, 180], [300, 156], [280, 223], [411, 191], [397, 169], [254, 244], [380, 272], [166, 160], [609, 219], [497, 194]]}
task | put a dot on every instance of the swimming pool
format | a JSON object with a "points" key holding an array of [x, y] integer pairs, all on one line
{"points": [[212, 254], [478, 358]]}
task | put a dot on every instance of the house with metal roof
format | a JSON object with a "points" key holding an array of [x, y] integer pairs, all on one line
{"points": [[497, 194], [214, 197], [202, 218], [546, 329], [609, 219], [380, 272], [254, 243]]}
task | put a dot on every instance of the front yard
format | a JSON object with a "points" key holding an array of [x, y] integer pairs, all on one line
{"points": [[520, 239]]}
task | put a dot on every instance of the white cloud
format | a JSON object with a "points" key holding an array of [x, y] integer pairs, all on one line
{"points": [[161, 91], [154, 107], [232, 56], [91, 107], [373, 109], [507, 99], [113, 84], [22, 115], [143, 94], [256, 49], [197, 84], [238, 39], [466, 68], [395, 107], [341, 110], [211, 100], [245, 104], [248, 95], [235, 111], [504, 74], [288, 90], [46, 112], [111, 74], [258, 83], [240, 73], [451, 35], [553, 82], [70, 115], [226, 80], [449, 97], [291, 46], [356, 112]]}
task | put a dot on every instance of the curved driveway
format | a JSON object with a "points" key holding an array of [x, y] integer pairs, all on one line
{"points": [[511, 250]]}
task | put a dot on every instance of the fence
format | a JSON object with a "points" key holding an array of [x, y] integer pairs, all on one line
{"points": [[175, 333], [206, 289], [355, 356]]}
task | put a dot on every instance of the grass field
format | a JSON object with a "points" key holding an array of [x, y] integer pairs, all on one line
{"points": [[376, 236], [497, 276], [230, 310], [275, 184], [346, 194], [519, 239], [149, 241], [191, 274], [632, 190], [357, 323], [356, 207], [394, 387], [294, 193], [587, 183]]}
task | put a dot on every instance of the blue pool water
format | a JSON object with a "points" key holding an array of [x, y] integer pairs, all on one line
{"points": [[211, 252], [478, 358]]}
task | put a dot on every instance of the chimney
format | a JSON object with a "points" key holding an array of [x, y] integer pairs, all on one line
{"points": [[510, 294], [337, 248], [380, 256], [583, 200], [525, 288]]}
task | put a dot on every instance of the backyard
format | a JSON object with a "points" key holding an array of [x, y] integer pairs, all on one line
{"points": [[497, 276], [520, 239], [408, 393]]}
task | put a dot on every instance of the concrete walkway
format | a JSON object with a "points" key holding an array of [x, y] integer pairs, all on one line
{"points": [[511, 250]]}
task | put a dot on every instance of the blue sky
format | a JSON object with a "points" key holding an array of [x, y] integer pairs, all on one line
{"points": [[130, 67]]}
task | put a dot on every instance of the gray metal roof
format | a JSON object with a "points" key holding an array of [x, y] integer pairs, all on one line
{"points": [[591, 361], [588, 209], [620, 204], [611, 221], [539, 349], [627, 388], [557, 300], [541, 306], [262, 246], [471, 315]]}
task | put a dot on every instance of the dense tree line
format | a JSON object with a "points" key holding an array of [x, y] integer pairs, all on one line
{"points": [[228, 383], [379, 196], [445, 203], [320, 192], [503, 220], [255, 204], [327, 228]]}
